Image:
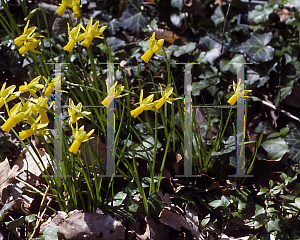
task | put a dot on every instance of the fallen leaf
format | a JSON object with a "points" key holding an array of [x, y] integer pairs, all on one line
{"points": [[173, 220], [79, 225], [283, 14], [8, 174], [192, 218]]}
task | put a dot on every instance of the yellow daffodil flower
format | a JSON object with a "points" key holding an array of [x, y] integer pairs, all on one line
{"points": [[15, 115], [115, 91], [238, 92], [154, 47], [62, 7], [51, 86], [74, 4], [80, 136], [73, 37], [33, 86], [145, 104], [26, 34], [75, 112], [7, 94], [41, 107], [30, 45], [91, 31], [165, 96], [35, 129]]}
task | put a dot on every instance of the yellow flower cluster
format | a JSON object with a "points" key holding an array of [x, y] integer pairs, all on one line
{"points": [[147, 103], [29, 39], [75, 113], [90, 32], [74, 4], [32, 112]]}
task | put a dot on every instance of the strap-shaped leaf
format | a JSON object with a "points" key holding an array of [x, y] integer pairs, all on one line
{"points": [[256, 47]]}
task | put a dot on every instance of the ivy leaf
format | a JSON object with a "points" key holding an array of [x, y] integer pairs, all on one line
{"points": [[275, 148], [273, 225], [284, 92], [50, 233], [218, 16], [227, 65], [261, 13], [215, 203], [185, 49], [256, 47], [225, 202], [293, 141], [177, 3], [213, 46], [114, 26], [115, 43], [133, 18]]}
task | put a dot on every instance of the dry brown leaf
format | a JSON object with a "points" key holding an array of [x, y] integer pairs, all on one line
{"points": [[78, 225], [173, 220], [192, 218], [8, 174], [283, 14], [153, 231]]}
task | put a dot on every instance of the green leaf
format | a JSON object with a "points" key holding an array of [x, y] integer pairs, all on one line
{"points": [[50, 233], [273, 225], [275, 148], [215, 203], [261, 13], [187, 48], [218, 16], [227, 65], [5, 209], [30, 218], [114, 26], [115, 43], [293, 141], [225, 202], [133, 18], [15, 223], [119, 198], [284, 92], [259, 210], [213, 46], [256, 47], [297, 189], [177, 3]]}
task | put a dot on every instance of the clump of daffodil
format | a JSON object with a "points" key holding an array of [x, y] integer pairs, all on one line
{"points": [[165, 96], [80, 136], [74, 4], [154, 47], [91, 32], [113, 91], [33, 86], [51, 86], [7, 94], [26, 34], [73, 34], [16, 115], [145, 104], [35, 129], [238, 92], [75, 112]]}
